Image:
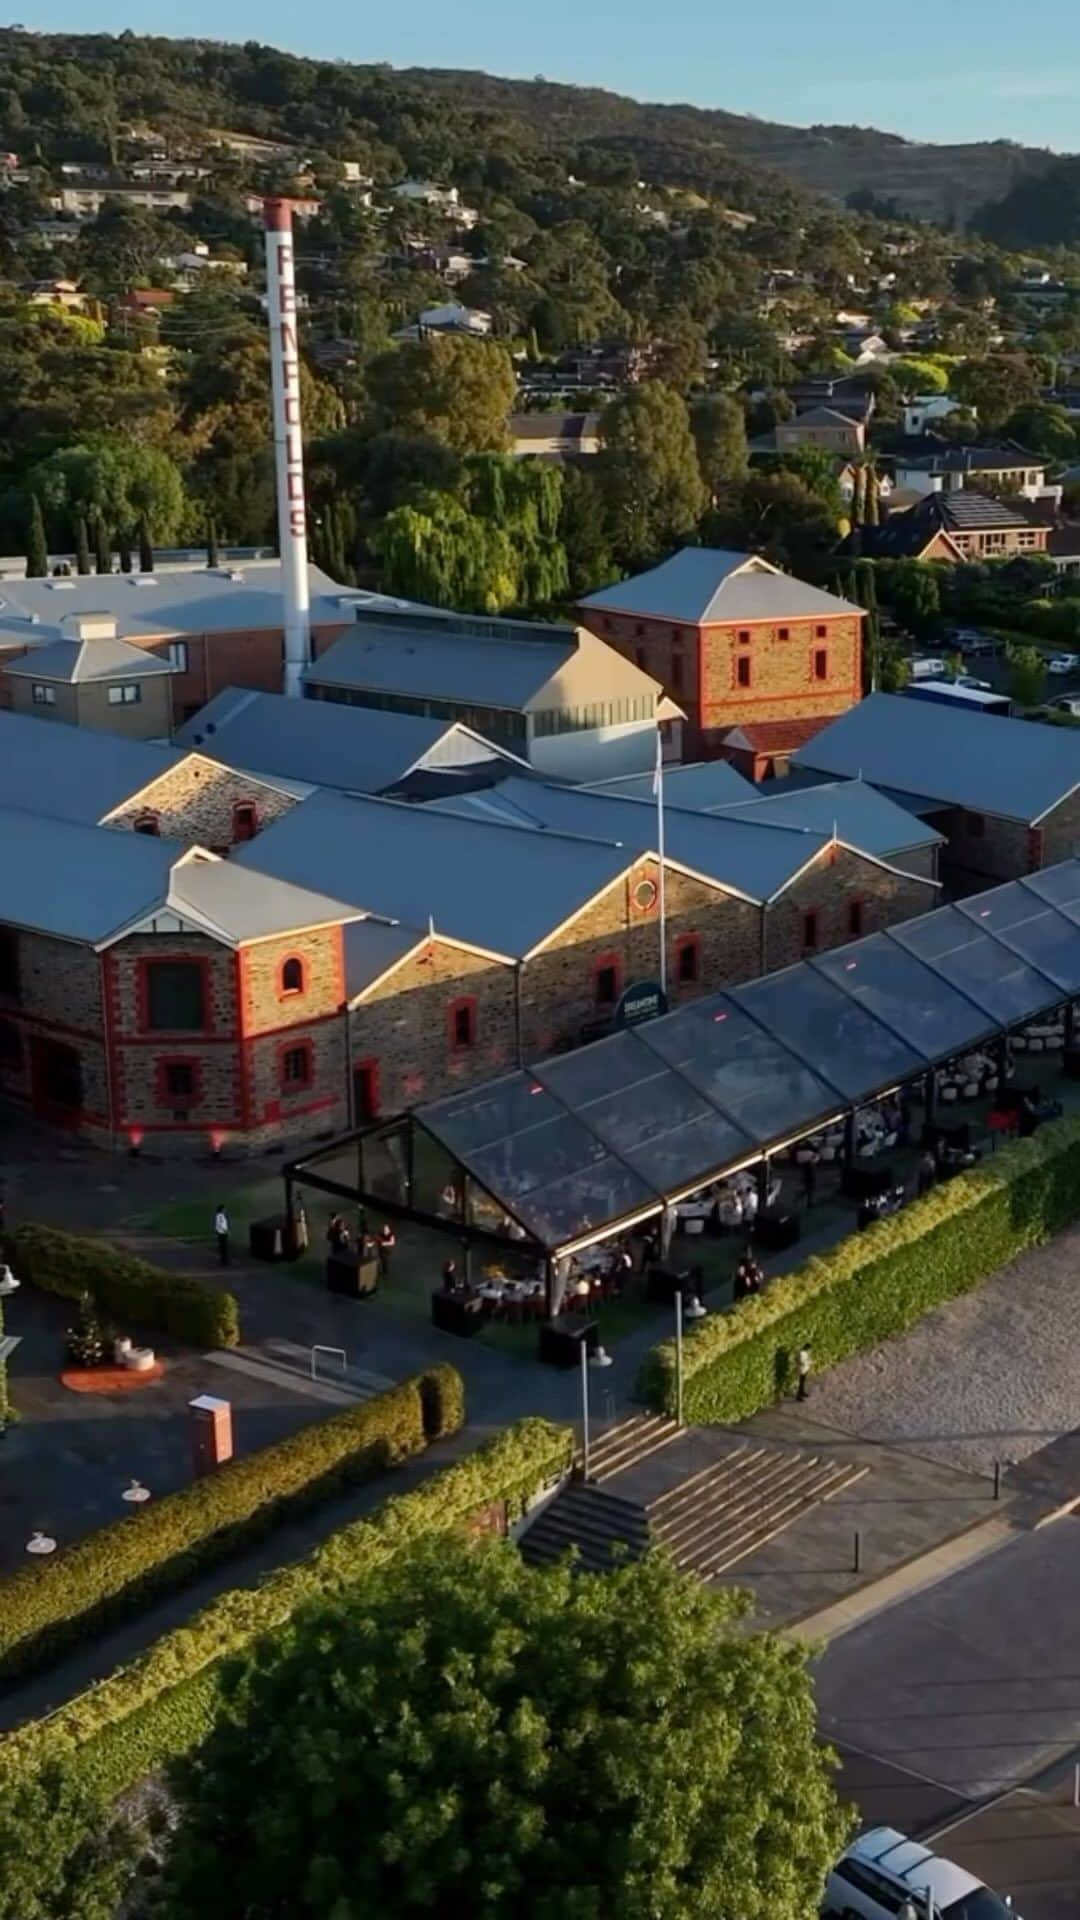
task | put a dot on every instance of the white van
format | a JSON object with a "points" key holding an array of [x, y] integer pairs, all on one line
{"points": [[885, 1876]]}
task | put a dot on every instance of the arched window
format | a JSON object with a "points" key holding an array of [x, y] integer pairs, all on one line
{"points": [[292, 975], [147, 822]]}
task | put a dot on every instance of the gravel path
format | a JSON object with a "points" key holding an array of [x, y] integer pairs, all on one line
{"points": [[995, 1375]]}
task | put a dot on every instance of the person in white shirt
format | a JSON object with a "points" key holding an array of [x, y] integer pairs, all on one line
{"points": [[221, 1230]]}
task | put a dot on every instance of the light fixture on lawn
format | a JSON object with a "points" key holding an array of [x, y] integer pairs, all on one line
{"points": [[40, 1543], [601, 1358], [8, 1282], [695, 1309], [135, 1494]]}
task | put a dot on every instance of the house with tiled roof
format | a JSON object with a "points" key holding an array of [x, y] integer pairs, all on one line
{"points": [[757, 660]]}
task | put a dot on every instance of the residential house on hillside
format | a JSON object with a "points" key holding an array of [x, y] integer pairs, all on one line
{"points": [[554, 695], [942, 468], [759, 660], [452, 317], [922, 412], [88, 201], [1005, 794], [962, 525], [824, 427]]}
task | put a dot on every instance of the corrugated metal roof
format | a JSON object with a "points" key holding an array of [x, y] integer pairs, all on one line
{"points": [[861, 815], [325, 743], [753, 860], [78, 882], [74, 773], [441, 666], [699, 786], [79, 661], [703, 584], [248, 906], [371, 947], [488, 885], [202, 600], [1016, 768]]}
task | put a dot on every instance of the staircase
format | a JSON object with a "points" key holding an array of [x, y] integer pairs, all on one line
{"points": [[731, 1508], [628, 1443], [598, 1526]]}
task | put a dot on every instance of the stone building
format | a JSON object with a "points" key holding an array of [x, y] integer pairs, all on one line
{"points": [[153, 991], [743, 648], [1004, 794]]}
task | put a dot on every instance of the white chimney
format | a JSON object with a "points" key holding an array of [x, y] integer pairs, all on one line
{"points": [[288, 440]]}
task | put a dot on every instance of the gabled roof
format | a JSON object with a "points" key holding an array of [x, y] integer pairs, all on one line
{"points": [[326, 744], [372, 947], [755, 861], [821, 417], [492, 886], [704, 585], [773, 736], [80, 662], [1018, 769], [940, 457], [858, 814], [699, 786], [513, 665], [74, 773], [94, 885]]}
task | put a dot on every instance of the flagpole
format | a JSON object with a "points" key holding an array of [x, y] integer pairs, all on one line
{"points": [[659, 786]]}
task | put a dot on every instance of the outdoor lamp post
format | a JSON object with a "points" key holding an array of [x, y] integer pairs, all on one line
{"points": [[8, 1282], [600, 1358]]}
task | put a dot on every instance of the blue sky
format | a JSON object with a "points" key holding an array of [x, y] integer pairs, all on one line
{"points": [[962, 71]]}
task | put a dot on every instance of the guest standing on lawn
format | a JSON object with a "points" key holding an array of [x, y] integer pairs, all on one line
{"points": [[221, 1232]]}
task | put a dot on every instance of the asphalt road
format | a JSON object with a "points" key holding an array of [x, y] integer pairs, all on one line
{"points": [[957, 1717]]}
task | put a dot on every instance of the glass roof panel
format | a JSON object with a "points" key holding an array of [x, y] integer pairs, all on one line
{"points": [[956, 947], [740, 1068], [851, 1050], [1016, 916], [511, 1105], [593, 1197], [1059, 886], [652, 1117], [898, 990]]}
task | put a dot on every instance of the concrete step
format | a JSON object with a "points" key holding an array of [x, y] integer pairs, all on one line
{"points": [[724, 1496], [628, 1443], [598, 1526], [723, 1549]]}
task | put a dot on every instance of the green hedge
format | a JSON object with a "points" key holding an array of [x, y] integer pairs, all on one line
{"points": [[126, 1290], [876, 1283], [113, 1572], [165, 1701]]}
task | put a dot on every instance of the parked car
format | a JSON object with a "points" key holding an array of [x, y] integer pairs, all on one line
{"points": [[927, 667], [978, 645], [1067, 703], [969, 680], [883, 1871], [1063, 663]]}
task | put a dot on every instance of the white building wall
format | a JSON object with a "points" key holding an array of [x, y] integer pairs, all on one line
{"points": [[595, 753]]}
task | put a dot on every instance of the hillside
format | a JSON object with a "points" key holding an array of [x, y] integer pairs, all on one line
{"points": [[64, 90]]}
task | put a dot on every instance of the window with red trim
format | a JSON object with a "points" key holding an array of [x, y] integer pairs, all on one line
{"points": [[821, 664], [147, 823], [461, 1025], [297, 1067], [174, 996], [245, 820], [783, 633], [677, 668], [11, 1046], [855, 919], [292, 975], [606, 981], [744, 636], [688, 958], [743, 671], [365, 1076], [639, 656], [178, 1082], [810, 929], [821, 633]]}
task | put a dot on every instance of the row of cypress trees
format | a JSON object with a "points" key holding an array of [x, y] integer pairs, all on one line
{"points": [[94, 546]]}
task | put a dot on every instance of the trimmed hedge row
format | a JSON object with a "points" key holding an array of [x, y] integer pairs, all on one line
{"points": [[126, 1290], [165, 1702], [876, 1283], [44, 1608]]}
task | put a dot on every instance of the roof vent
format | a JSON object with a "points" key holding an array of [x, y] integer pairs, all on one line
{"points": [[142, 580], [59, 585], [211, 726]]}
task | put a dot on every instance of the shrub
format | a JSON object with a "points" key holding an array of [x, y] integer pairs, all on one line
{"points": [[44, 1608], [876, 1283], [166, 1701], [124, 1289]]}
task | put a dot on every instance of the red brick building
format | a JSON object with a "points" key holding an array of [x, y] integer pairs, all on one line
{"points": [[739, 645]]}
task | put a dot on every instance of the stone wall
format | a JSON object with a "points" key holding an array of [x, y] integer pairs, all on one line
{"points": [[849, 897], [402, 1027], [196, 803]]}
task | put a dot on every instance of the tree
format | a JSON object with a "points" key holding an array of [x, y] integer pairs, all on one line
{"points": [[494, 549], [124, 483], [913, 594], [779, 515], [1027, 674], [919, 376], [123, 554], [857, 515], [681, 353], [650, 475], [37, 547], [718, 425], [102, 543], [995, 386], [1046, 429], [585, 533], [82, 1863], [449, 387], [213, 557], [464, 1735], [146, 549], [82, 545]]}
